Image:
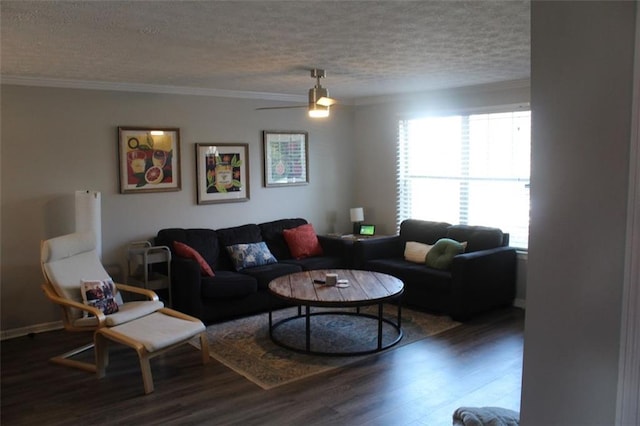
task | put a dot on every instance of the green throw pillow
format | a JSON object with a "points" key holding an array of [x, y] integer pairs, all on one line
{"points": [[442, 253]]}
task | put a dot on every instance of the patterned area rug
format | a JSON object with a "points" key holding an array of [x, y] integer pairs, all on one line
{"points": [[244, 345]]}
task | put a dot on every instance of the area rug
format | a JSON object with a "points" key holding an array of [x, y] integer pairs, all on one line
{"points": [[244, 345]]}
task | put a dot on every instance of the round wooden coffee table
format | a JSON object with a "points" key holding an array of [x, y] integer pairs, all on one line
{"points": [[364, 288]]}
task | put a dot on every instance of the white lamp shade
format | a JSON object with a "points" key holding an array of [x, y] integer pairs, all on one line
{"points": [[356, 214]]}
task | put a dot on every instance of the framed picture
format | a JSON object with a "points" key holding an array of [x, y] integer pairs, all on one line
{"points": [[286, 158], [222, 172], [149, 159]]}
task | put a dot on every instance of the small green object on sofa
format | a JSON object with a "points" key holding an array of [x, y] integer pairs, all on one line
{"points": [[441, 255]]}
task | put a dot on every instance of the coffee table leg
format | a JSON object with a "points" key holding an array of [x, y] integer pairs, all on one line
{"points": [[308, 327]]}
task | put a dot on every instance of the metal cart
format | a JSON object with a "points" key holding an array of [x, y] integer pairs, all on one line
{"points": [[141, 256]]}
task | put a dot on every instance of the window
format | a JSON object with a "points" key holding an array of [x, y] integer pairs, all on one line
{"points": [[467, 169]]}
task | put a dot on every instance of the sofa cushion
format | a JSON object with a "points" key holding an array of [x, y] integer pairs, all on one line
{"points": [[416, 252], [302, 241], [423, 231], [412, 274], [228, 285], [442, 253], [204, 241], [250, 255], [317, 262], [265, 274], [477, 237], [273, 236], [243, 234], [183, 250]]}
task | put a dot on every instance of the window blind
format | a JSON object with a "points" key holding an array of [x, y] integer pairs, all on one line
{"points": [[467, 169]]}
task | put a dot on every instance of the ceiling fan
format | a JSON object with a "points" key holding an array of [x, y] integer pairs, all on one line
{"points": [[319, 101]]}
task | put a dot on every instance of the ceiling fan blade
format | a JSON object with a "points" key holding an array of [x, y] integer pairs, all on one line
{"points": [[283, 107]]}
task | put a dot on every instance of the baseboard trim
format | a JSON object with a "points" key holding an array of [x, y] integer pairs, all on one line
{"points": [[24, 331], [520, 303]]}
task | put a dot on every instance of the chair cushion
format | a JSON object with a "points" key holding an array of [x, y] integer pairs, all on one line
{"points": [[302, 241], [250, 255], [69, 259], [442, 253], [126, 312], [158, 331], [184, 250]]}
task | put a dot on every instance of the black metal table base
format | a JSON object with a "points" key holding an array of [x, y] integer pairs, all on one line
{"points": [[397, 326]]}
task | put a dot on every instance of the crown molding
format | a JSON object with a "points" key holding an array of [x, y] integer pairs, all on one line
{"points": [[480, 88], [238, 94], [146, 88]]}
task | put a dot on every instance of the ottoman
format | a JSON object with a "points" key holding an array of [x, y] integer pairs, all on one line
{"points": [[150, 336]]}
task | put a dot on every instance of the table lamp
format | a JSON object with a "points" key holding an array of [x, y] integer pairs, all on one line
{"points": [[357, 216]]}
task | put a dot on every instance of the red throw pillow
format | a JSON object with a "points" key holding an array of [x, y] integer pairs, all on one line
{"points": [[302, 241], [184, 250]]}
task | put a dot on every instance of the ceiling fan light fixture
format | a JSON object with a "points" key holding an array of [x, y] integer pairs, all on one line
{"points": [[317, 110], [325, 101]]}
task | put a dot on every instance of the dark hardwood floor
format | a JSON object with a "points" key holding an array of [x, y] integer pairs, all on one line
{"points": [[476, 364]]}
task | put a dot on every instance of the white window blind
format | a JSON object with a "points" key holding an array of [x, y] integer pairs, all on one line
{"points": [[467, 169]]}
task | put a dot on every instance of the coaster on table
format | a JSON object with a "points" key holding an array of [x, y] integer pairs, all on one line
{"points": [[342, 283]]}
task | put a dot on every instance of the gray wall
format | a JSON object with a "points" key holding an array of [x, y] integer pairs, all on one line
{"points": [[581, 85], [56, 141]]}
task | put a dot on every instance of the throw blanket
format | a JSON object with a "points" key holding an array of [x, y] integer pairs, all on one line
{"points": [[485, 416]]}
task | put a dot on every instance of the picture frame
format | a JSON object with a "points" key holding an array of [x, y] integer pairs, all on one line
{"points": [[286, 158], [222, 172], [149, 159]]}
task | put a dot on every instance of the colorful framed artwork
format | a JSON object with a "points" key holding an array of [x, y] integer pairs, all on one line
{"points": [[222, 172], [286, 158], [149, 159]]}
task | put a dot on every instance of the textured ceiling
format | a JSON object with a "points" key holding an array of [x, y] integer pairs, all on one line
{"points": [[368, 48]]}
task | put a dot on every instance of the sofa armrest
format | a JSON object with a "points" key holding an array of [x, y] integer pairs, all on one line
{"points": [[482, 280], [377, 248], [186, 281]]}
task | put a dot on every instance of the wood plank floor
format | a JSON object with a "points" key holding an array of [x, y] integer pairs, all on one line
{"points": [[476, 364]]}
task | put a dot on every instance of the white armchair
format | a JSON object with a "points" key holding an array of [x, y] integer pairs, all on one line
{"points": [[144, 325]]}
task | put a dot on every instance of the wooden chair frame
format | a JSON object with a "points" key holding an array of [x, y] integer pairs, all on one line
{"points": [[68, 321]]}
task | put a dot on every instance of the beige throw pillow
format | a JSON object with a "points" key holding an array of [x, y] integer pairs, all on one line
{"points": [[416, 252]]}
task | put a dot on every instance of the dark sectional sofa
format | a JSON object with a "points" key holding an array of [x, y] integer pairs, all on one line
{"points": [[480, 279], [231, 293]]}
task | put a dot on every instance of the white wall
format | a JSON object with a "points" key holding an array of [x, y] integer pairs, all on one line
{"points": [[56, 141], [581, 85]]}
